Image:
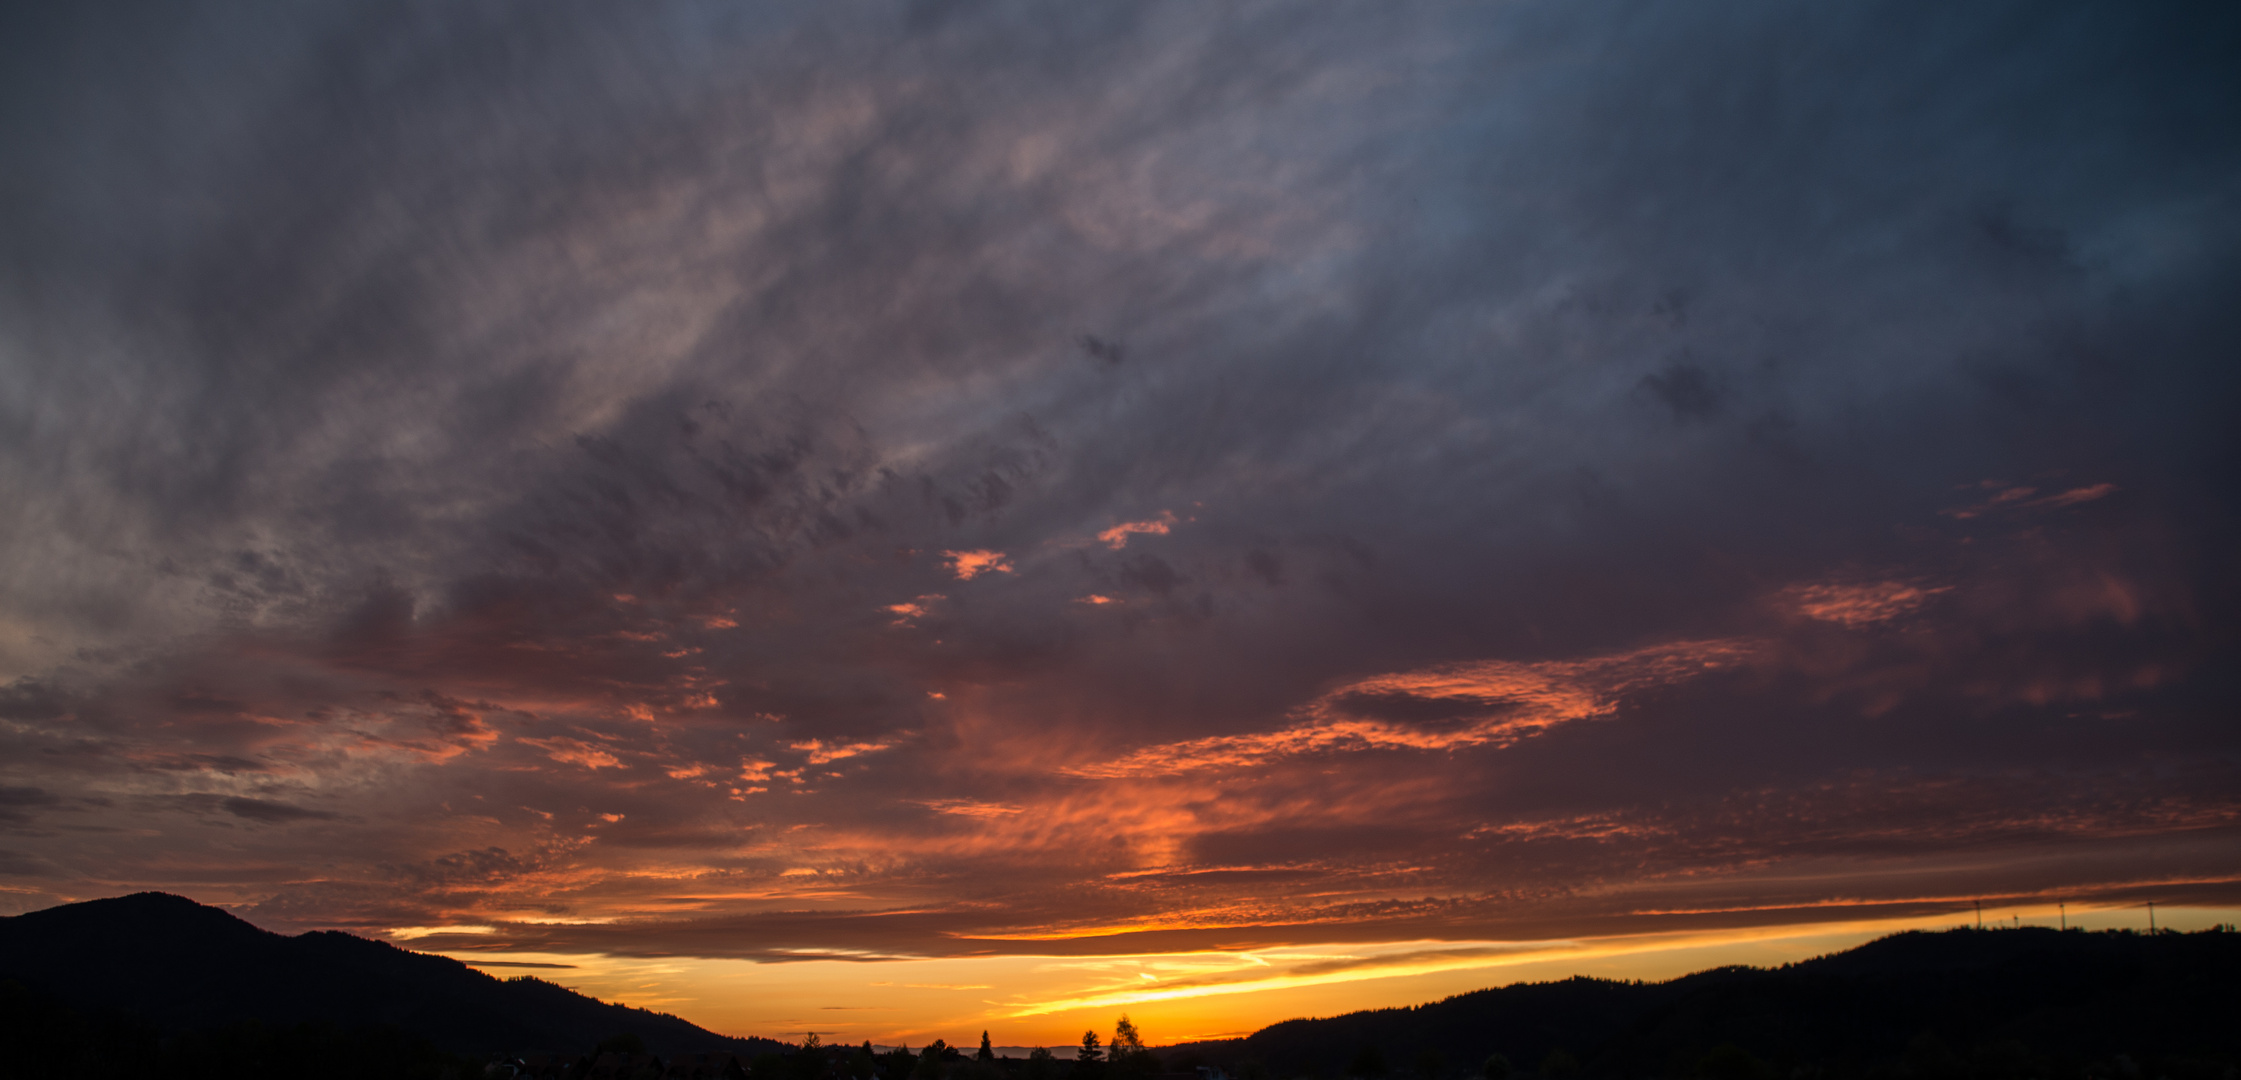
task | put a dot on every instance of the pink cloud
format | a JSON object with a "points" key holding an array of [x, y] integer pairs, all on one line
{"points": [[2021, 498], [2075, 496]]}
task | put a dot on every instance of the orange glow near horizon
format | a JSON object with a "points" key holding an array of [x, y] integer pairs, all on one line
{"points": [[1179, 997]]}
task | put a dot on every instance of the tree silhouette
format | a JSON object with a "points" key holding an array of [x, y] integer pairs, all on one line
{"points": [[930, 1063], [812, 1061], [1126, 1039], [1041, 1064], [987, 1052], [1089, 1060], [1127, 1053]]}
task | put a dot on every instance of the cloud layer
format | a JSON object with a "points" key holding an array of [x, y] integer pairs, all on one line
{"points": [[949, 479]]}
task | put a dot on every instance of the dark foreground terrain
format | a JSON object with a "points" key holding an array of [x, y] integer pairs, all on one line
{"points": [[2024, 1004], [158, 986], [160, 981]]}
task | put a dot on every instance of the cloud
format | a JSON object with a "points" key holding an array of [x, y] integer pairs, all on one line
{"points": [[971, 808], [262, 811], [574, 752], [18, 864], [491, 471], [1455, 706], [266, 810], [968, 565], [819, 752], [17, 804], [2021, 498], [29, 699], [1116, 537], [908, 613], [1859, 605]]}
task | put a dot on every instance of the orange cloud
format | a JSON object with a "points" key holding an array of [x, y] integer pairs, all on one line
{"points": [[968, 565], [821, 752], [1117, 536], [970, 808], [915, 609], [1858, 605], [574, 752], [1484, 703]]}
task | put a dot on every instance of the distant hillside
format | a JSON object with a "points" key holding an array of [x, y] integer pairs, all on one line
{"points": [[181, 965], [1984, 1004]]}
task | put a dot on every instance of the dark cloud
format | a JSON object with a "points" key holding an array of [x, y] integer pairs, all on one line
{"points": [[493, 864], [958, 478], [261, 811], [18, 805], [18, 864], [1690, 391], [266, 810], [30, 699]]}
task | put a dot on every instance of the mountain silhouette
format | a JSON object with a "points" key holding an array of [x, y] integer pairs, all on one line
{"points": [[1958, 1005], [1986, 1004], [181, 965]]}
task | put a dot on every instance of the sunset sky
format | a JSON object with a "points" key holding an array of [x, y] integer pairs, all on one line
{"points": [[896, 519]]}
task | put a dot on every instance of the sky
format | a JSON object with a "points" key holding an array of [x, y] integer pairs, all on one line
{"points": [[896, 519]]}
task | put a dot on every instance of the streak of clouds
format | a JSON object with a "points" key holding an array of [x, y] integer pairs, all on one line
{"points": [[960, 480]]}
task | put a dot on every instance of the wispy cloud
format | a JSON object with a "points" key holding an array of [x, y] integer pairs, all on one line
{"points": [[676, 487], [1860, 604], [1449, 707]]}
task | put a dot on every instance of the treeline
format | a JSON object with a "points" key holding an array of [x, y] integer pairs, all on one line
{"points": [[1124, 1057], [2024, 1004]]}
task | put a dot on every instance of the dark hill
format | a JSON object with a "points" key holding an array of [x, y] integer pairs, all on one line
{"points": [[180, 965], [1984, 1004]]}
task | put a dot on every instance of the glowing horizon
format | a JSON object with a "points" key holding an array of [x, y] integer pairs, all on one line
{"points": [[744, 997]]}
